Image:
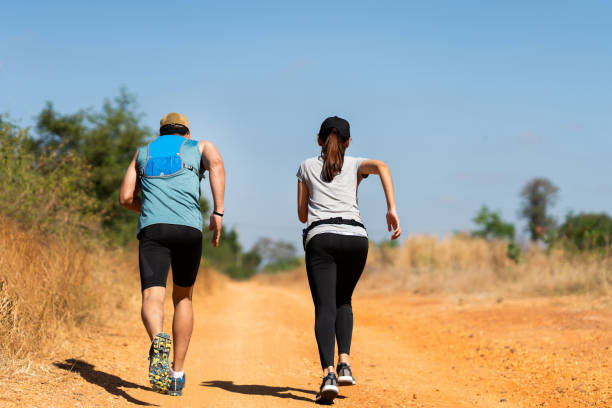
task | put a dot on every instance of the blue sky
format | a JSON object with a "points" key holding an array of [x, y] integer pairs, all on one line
{"points": [[465, 101]]}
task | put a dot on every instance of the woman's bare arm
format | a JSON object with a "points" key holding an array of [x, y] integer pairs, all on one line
{"points": [[130, 186], [213, 162], [302, 201], [380, 168]]}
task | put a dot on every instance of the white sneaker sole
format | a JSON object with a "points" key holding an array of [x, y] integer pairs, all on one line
{"points": [[346, 380], [328, 393]]}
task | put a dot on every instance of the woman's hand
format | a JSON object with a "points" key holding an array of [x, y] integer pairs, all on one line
{"points": [[380, 168], [393, 223]]}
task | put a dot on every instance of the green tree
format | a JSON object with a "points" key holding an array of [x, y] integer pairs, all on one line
{"points": [[107, 141], [587, 230], [276, 256], [272, 251], [491, 226], [41, 190], [538, 195], [250, 262], [228, 257]]}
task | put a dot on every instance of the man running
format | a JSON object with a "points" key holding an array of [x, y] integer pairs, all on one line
{"points": [[168, 171]]}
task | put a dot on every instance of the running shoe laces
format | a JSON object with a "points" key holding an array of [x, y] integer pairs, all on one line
{"points": [[343, 370], [328, 390], [345, 375], [176, 386]]}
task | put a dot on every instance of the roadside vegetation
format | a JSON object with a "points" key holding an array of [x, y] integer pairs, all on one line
{"points": [[572, 258], [463, 264], [55, 276], [65, 244], [67, 256]]}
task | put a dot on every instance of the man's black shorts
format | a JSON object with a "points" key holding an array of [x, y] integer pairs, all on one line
{"points": [[162, 245]]}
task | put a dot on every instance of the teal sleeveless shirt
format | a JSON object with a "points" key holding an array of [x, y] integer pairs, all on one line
{"points": [[170, 198]]}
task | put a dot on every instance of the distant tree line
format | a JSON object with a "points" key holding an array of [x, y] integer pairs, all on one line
{"points": [[65, 174], [578, 232]]}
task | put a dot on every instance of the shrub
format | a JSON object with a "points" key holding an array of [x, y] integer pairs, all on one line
{"points": [[587, 231], [43, 191], [282, 265], [491, 225]]}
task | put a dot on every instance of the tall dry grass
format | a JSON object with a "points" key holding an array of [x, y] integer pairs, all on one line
{"points": [[463, 264], [52, 286], [42, 282]]}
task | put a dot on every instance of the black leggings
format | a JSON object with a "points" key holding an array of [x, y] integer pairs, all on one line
{"points": [[334, 264], [162, 245]]}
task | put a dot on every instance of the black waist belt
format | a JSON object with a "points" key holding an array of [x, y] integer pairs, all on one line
{"points": [[337, 220]]}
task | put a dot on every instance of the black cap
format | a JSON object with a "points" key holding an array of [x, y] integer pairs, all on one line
{"points": [[344, 129]]}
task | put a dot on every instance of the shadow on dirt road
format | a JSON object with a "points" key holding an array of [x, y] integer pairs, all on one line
{"points": [[253, 389], [111, 383]]}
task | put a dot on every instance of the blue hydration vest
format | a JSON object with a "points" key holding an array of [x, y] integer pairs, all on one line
{"points": [[170, 174]]}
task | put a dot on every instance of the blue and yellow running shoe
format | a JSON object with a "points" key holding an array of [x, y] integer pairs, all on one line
{"points": [[177, 385], [159, 365]]}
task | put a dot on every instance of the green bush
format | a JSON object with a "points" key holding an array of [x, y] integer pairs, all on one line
{"points": [[491, 225], [387, 243], [514, 252], [586, 231], [45, 191], [227, 255], [282, 265]]}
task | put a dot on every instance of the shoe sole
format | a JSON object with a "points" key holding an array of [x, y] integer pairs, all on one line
{"points": [[346, 380], [327, 394], [159, 370]]}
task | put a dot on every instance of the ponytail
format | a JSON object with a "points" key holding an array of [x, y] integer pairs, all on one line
{"points": [[332, 153]]}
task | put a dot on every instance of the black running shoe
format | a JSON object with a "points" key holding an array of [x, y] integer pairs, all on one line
{"points": [[329, 390], [345, 375]]}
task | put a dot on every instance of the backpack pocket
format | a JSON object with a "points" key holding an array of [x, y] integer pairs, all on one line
{"points": [[163, 166]]}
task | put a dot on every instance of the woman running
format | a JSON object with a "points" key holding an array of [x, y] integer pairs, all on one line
{"points": [[336, 243]]}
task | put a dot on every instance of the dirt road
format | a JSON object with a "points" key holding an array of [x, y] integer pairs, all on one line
{"points": [[254, 346]]}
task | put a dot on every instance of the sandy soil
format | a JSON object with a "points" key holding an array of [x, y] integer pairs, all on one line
{"points": [[254, 346]]}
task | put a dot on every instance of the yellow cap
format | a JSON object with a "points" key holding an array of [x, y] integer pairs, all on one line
{"points": [[174, 118]]}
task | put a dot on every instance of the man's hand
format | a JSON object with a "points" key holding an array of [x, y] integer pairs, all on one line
{"points": [[212, 161], [215, 226]]}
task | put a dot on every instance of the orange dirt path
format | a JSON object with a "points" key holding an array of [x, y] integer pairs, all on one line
{"points": [[254, 346]]}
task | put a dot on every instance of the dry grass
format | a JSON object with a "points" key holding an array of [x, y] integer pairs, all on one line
{"points": [[43, 287], [52, 288], [466, 265], [462, 264]]}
